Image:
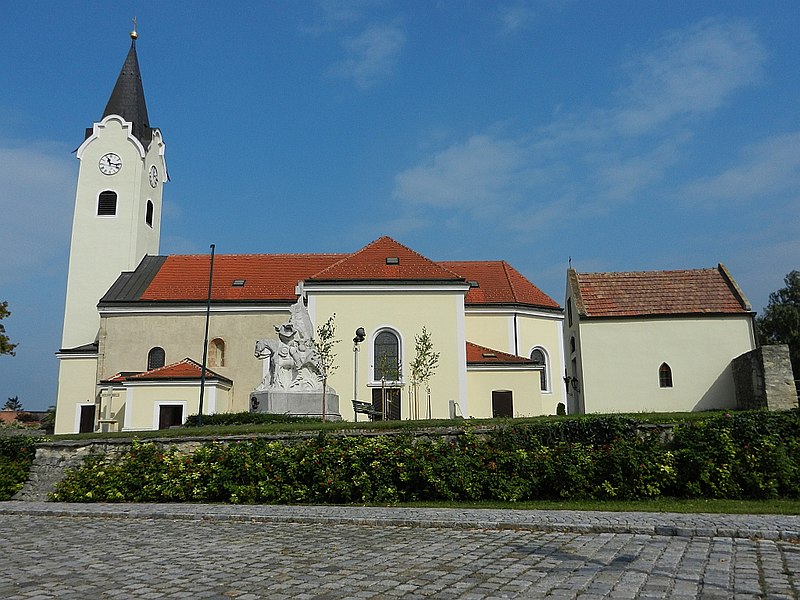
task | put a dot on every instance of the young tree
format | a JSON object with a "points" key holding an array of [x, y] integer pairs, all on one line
{"points": [[780, 323], [324, 343], [13, 404], [390, 370], [6, 347], [423, 366]]}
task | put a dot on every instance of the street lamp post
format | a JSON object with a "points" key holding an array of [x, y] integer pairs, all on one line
{"points": [[360, 335]]}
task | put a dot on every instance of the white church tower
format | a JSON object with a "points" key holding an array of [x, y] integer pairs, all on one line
{"points": [[117, 222]]}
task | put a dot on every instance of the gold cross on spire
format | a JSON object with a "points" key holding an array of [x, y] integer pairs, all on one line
{"points": [[134, 35]]}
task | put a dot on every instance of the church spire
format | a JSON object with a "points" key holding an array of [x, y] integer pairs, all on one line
{"points": [[127, 98]]}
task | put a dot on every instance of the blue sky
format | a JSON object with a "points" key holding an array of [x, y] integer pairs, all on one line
{"points": [[626, 135]]}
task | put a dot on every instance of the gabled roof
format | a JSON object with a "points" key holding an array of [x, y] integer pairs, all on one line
{"points": [[481, 355], [127, 98], [653, 293], [272, 278], [184, 370], [372, 263], [267, 277], [499, 283]]}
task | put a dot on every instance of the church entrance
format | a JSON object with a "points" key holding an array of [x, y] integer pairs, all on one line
{"points": [[170, 415], [392, 396], [502, 403], [87, 418]]}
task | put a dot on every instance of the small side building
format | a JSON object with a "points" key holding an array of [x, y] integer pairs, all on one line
{"points": [[654, 341]]}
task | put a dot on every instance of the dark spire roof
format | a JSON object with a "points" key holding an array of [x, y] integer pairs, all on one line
{"points": [[127, 98]]}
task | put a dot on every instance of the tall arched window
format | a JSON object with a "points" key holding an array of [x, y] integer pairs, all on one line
{"points": [[155, 358], [107, 204], [386, 354], [539, 357], [148, 215], [664, 376], [216, 353]]}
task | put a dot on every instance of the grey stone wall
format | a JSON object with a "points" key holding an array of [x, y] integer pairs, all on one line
{"points": [[763, 379]]}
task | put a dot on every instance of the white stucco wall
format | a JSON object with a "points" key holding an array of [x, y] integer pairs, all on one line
{"points": [[76, 387], [527, 399], [405, 312], [620, 361]]}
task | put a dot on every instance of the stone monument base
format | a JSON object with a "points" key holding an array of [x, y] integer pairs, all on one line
{"points": [[296, 404]]}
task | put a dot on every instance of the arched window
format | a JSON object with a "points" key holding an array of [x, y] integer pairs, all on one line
{"points": [[107, 204], [216, 353], [148, 215], [664, 376], [572, 345], [539, 357], [386, 354], [155, 358]]}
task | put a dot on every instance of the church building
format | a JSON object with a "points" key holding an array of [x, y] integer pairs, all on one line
{"points": [[134, 324]]}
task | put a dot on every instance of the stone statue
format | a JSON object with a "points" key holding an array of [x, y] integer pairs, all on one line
{"points": [[292, 383], [293, 361]]}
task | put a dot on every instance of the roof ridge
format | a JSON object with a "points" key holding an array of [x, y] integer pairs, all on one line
{"points": [[506, 266], [645, 272], [372, 244]]}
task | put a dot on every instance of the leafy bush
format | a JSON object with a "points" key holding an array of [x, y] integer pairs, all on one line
{"points": [[16, 457], [245, 418], [746, 455]]}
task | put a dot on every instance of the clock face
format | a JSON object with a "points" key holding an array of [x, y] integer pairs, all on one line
{"points": [[110, 163], [153, 176]]}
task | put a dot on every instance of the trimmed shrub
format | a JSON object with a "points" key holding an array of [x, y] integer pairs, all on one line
{"points": [[747, 455], [246, 418], [16, 457]]}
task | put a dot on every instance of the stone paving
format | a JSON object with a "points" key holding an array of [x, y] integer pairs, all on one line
{"points": [[70, 551]]}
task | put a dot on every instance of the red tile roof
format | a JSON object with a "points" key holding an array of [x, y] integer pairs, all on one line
{"points": [[266, 276], [499, 283], [273, 277], [184, 369], [487, 356], [369, 263], [642, 293]]}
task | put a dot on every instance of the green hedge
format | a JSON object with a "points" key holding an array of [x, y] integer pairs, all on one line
{"points": [[16, 457], [245, 418], [746, 455]]}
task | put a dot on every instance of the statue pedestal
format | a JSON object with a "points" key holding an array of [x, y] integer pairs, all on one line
{"points": [[296, 404]]}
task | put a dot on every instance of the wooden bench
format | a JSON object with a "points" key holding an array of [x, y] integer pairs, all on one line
{"points": [[366, 408]]}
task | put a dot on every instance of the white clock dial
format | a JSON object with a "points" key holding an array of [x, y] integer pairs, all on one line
{"points": [[153, 176], [110, 163]]}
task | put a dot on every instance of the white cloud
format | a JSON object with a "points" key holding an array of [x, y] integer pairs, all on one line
{"points": [[766, 169], [515, 18], [471, 174], [371, 55], [589, 161], [335, 14], [36, 204], [690, 71]]}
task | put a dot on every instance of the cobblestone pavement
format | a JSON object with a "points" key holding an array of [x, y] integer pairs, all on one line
{"points": [[246, 552]]}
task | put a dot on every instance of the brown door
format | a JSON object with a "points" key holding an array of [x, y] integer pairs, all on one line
{"points": [[502, 404], [170, 415], [392, 396], [87, 419]]}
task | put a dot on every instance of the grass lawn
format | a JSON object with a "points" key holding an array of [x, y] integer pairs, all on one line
{"points": [[676, 505], [255, 429]]}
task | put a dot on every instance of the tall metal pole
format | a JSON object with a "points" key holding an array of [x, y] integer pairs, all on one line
{"points": [[355, 375], [205, 339]]}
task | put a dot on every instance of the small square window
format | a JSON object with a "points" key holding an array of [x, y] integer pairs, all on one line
{"points": [[238, 283], [392, 260]]}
